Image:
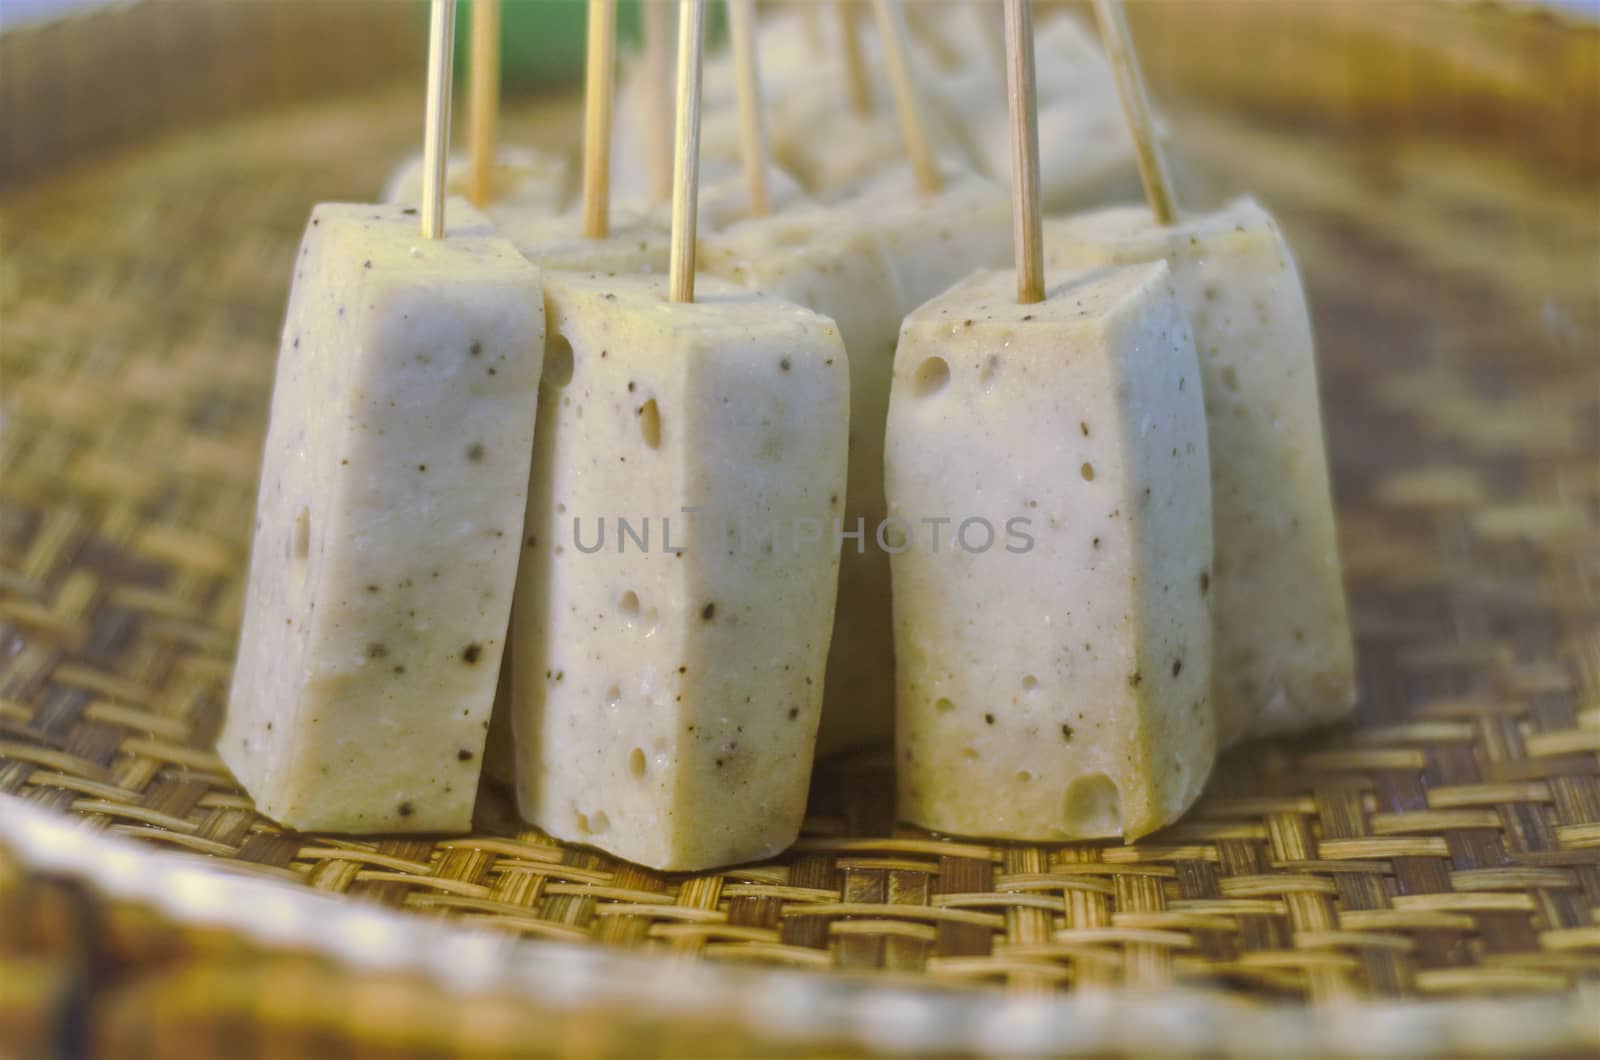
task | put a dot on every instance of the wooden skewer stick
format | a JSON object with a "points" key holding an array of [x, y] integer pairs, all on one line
{"points": [[855, 64], [1027, 226], [747, 78], [1118, 40], [483, 102], [436, 118], [686, 156], [599, 63], [658, 73], [891, 16]]}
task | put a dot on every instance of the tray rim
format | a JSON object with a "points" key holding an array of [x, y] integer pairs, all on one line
{"points": [[780, 1004], [887, 1016]]}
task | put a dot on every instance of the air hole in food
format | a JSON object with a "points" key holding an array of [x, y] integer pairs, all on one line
{"points": [[1093, 806], [636, 761], [932, 376], [557, 360], [1087, 471], [629, 604], [991, 368], [1023, 776], [650, 423], [1030, 683], [969, 753], [302, 535], [943, 706], [613, 695]]}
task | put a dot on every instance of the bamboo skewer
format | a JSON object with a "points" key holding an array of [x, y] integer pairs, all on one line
{"points": [[855, 64], [436, 116], [686, 154], [1118, 41], [1027, 225], [752, 129], [891, 16], [598, 76], [659, 76], [483, 100]]}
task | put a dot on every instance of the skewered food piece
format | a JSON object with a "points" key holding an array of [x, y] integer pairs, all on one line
{"points": [[635, 243], [866, 265], [1047, 465], [1086, 155], [725, 199], [520, 176], [665, 694], [816, 258], [390, 508], [934, 241], [833, 151], [1284, 655]]}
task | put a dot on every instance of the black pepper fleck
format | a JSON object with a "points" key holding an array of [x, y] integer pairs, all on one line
{"points": [[406, 809], [475, 452], [708, 612], [471, 653]]}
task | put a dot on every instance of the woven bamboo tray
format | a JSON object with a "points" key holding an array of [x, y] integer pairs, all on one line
{"points": [[1426, 880]]}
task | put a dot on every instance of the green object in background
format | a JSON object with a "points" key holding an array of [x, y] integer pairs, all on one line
{"points": [[542, 41]]}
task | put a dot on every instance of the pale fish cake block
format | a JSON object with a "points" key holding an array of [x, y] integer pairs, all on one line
{"points": [[817, 258], [387, 526], [1054, 674], [725, 199], [1070, 67], [636, 243], [523, 176], [1086, 155], [631, 142], [665, 694], [832, 151], [1284, 655], [936, 240]]}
